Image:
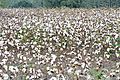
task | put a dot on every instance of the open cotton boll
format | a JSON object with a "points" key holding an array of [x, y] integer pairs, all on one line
{"points": [[5, 77], [70, 70], [1, 78], [11, 68], [3, 61], [1, 43], [53, 58], [53, 78], [77, 72], [6, 52], [5, 67], [24, 70], [117, 54], [60, 77], [83, 65]]}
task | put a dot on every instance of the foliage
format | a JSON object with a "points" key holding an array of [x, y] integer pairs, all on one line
{"points": [[2, 3], [60, 3], [22, 4], [97, 74]]}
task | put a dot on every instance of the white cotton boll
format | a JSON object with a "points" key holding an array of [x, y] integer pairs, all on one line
{"points": [[83, 65], [34, 55], [26, 49], [11, 43], [16, 69], [76, 63], [70, 70], [80, 22], [37, 23], [73, 60], [53, 78], [39, 71], [18, 55], [6, 47], [60, 77], [108, 49], [117, 71], [79, 42], [59, 44], [28, 26], [5, 77], [20, 61], [17, 41], [78, 72], [1, 43], [117, 54], [24, 70], [112, 73], [49, 49], [32, 46], [49, 73], [87, 46], [36, 48], [98, 63], [89, 77], [53, 58], [116, 36], [34, 43], [39, 51], [25, 17], [107, 55], [64, 46], [71, 37], [55, 69], [5, 67], [119, 49], [6, 52], [4, 61], [102, 25], [24, 58], [21, 56], [31, 77], [50, 39], [48, 68], [108, 39], [118, 78], [61, 49], [62, 56], [1, 71], [84, 52], [1, 78], [11, 68], [27, 77], [118, 65], [21, 36], [85, 71], [30, 70]]}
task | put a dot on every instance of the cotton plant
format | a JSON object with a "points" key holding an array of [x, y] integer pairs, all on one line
{"points": [[72, 38]]}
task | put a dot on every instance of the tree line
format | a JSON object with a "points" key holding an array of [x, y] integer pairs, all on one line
{"points": [[59, 3]]}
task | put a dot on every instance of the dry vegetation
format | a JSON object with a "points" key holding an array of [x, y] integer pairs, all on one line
{"points": [[49, 44]]}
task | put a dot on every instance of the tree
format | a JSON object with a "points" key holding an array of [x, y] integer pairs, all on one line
{"points": [[23, 4], [72, 3], [60, 3], [51, 3], [3, 3], [37, 3]]}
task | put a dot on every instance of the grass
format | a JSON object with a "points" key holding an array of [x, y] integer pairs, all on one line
{"points": [[97, 74]]}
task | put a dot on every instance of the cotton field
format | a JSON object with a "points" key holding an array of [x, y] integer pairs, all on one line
{"points": [[60, 44]]}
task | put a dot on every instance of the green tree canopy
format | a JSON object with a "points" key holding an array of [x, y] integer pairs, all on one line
{"points": [[60, 3], [23, 4]]}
